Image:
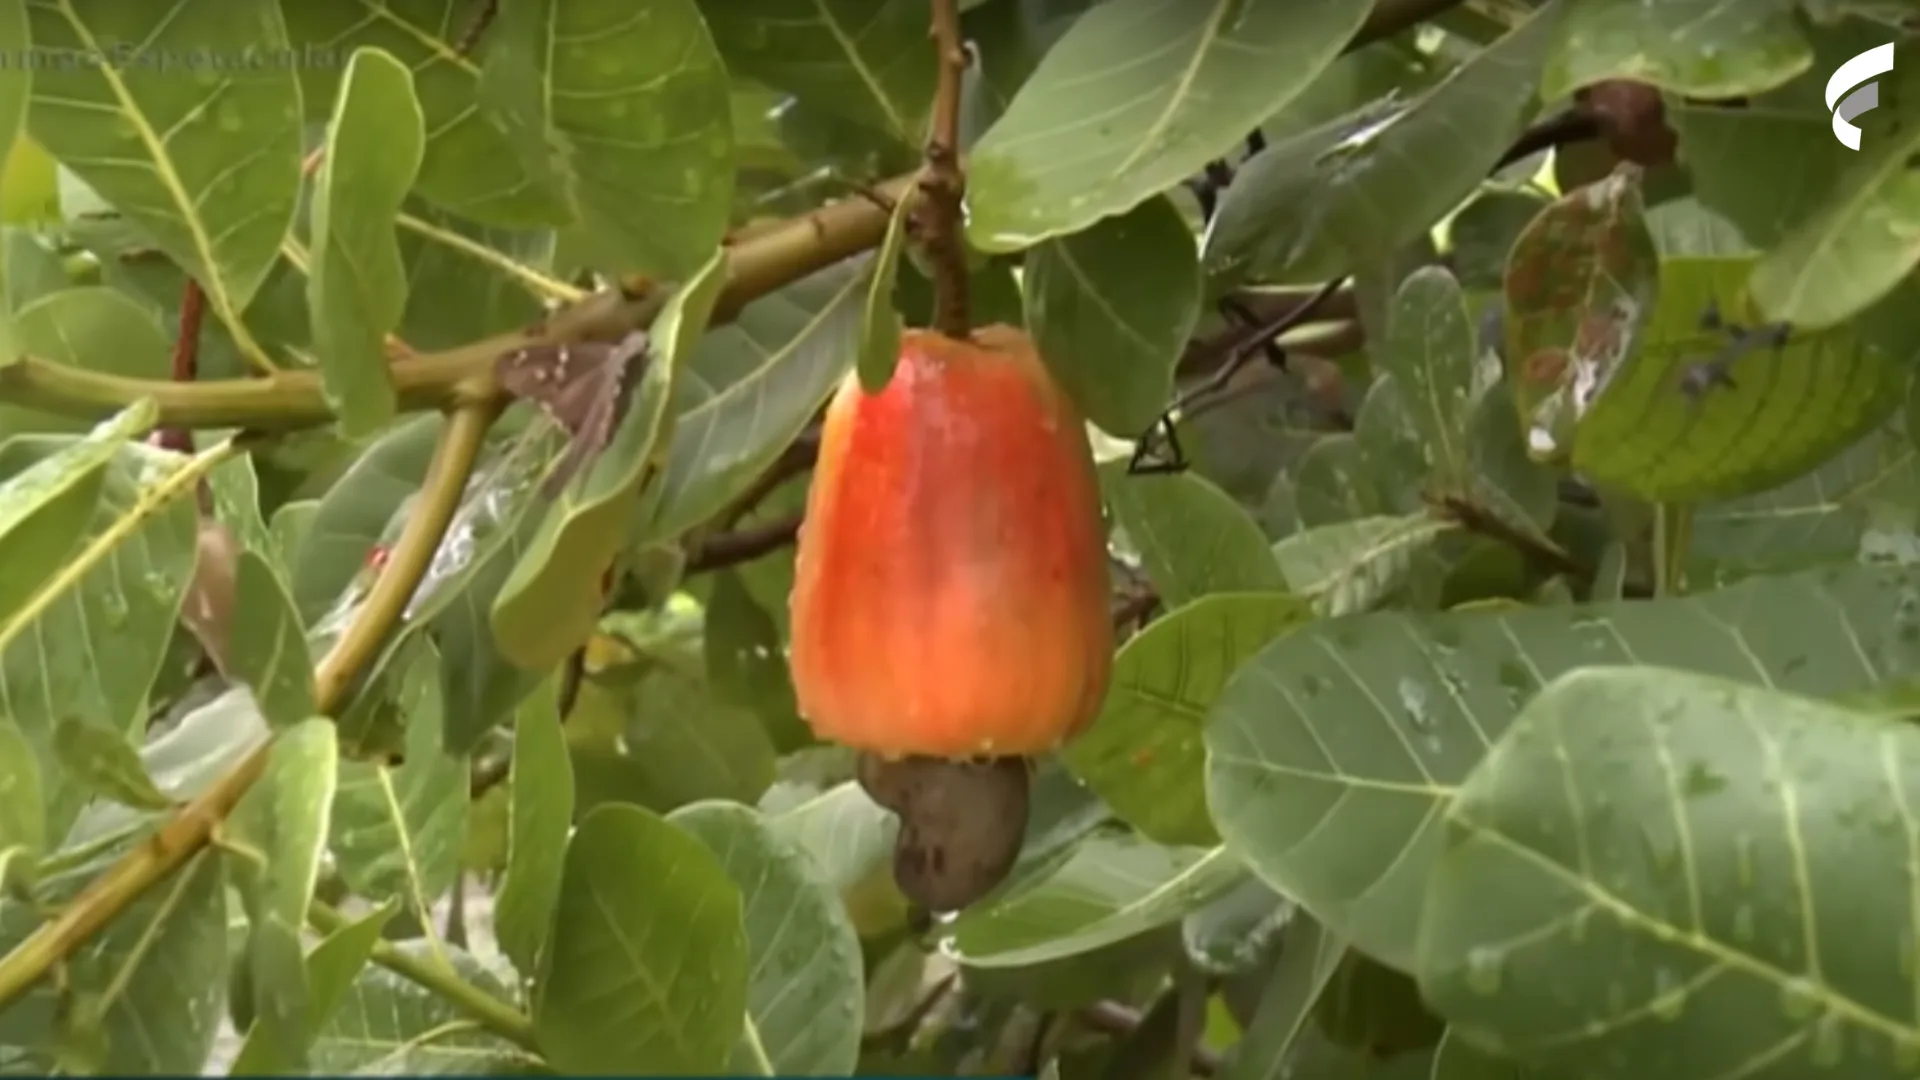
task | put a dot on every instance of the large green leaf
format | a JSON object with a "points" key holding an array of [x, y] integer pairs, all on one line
{"points": [[284, 820], [1860, 244], [94, 650], [397, 830], [204, 157], [1332, 753], [1310, 954], [806, 989], [1359, 188], [1696, 48], [764, 377], [1111, 308], [331, 969], [541, 813], [356, 281], [145, 995], [387, 1025], [22, 158], [1143, 754], [1432, 351], [1087, 138], [1714, 878], [467, 166], [624, 117], [1354, 566], [46, 507], [1788, 409], [1193, 539], [267, 650], [647, 971], [1113, 886], [867, 60]]}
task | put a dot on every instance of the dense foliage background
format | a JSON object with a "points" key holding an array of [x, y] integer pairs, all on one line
{"points": [[1519, 630]]}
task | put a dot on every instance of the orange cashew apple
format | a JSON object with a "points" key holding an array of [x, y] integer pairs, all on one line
{"points": [[950, 593]]}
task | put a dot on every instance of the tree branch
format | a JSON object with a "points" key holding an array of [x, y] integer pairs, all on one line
{"points": [[190, 829], [292, 400], [942, 184]]}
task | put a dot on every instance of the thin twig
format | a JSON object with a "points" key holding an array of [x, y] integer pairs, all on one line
{"points": [[1236, 359], [942, 184], [742, 545], [476, 27]]}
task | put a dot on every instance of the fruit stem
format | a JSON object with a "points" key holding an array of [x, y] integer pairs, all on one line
{"points": [[942, 184]]}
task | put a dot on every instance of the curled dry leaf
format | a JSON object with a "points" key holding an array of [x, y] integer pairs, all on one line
{"points": [[961, 823], [207, 607]]}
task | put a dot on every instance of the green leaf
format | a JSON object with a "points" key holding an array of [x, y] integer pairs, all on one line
{"points": [[1310, 954], [93, 328], [626, 118], [540, 816], [1354, 566], [355, 511], [388, 1025], [759, 398], [1111, 308], [1861, 243], [806, 990], [467, 166], [1457, 1059], [204, 158], [1432, 351], [1789, 408], [867, 60], [880, 321], [331, 969], [46, 507], [96, 643], [746, 662], [844, 830], [356, 282], [1357, 189], [1086, 138], [647, 971], [285, 816], [23, 815], [1818, 518], [1333, 752], [454, 298], [1143, 754], [276, 974], [102, 761], [1331, 484], [550, 602], [1193, 539], [1693, 48], [1793, 143], [396, 831], [16, 86], [1725, 860], [146, 992], [681, 742], [268, 648], [1113, 886], [1483, 232]]}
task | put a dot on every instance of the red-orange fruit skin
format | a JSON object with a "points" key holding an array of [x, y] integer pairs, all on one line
{"points": [[950, 592]]}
